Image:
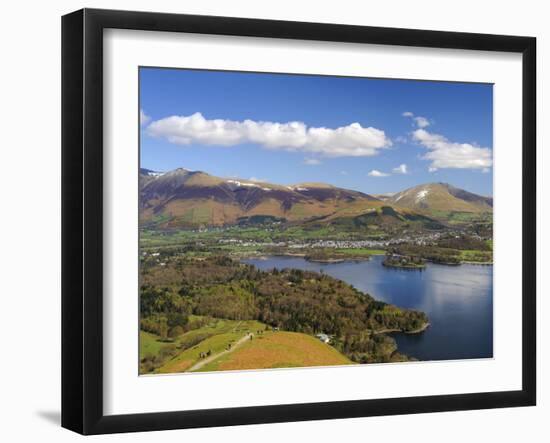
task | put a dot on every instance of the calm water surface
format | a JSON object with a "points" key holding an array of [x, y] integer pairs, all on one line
{"points": [[457, 299]]}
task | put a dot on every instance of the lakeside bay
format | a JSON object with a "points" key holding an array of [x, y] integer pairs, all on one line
{"points": [[457, 299]]}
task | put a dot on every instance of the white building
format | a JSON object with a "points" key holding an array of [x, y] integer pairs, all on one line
{"points": [[323, 337]]}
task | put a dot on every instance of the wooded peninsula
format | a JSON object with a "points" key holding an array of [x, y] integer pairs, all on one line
{"points": [[183, 294]]}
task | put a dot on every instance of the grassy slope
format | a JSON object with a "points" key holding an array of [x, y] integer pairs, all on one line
{"points": [[150, 343], [194, 212], [227, 331], [268, 350], [279, 350]]}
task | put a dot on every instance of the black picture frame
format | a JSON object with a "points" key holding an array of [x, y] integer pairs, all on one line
{"points": [[82, 232]]}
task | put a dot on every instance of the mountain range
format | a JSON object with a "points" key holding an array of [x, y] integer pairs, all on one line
{"points": [[184, 198]]}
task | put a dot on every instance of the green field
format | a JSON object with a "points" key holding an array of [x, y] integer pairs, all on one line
{"points": [[360, 252], [476, 256], [459, 217], [151, 344], [210, 238]]}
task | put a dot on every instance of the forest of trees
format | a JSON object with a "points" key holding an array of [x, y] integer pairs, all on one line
{"points": [[404, 261], [463, 242], [290, 299], [448, 250]]}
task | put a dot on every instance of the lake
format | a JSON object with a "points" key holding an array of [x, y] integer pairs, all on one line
{"points": [[457, 299]]}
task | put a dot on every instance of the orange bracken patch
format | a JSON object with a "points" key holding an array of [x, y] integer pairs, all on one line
{"points": [[280, 350], [179, 366]]}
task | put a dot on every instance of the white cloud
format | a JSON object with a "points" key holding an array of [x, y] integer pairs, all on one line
{"points": [[312, 161], [347, 141], [447, 154], [421, 122], [344, 172], [376, 173], [401, 169], [143, 117]]}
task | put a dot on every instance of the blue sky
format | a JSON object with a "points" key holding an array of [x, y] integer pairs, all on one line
{"points": [[355, 133]]}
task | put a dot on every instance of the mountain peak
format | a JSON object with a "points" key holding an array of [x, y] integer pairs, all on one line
{"points": [[180, 171], [441, 196]]}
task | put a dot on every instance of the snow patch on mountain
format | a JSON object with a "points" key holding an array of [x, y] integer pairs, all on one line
{"points": [[247, 185], [421, 195], [150, 173]]}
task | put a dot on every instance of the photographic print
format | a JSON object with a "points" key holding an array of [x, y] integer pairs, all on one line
{"points": [[290, 221]]}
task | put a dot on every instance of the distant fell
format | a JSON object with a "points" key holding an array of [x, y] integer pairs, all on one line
{"points": [[441, 197]]}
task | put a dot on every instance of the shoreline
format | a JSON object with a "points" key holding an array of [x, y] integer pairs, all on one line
{"points": [[337, 260], [357, 259], [326, 261], [479, 263], [406, 268], [415, 331], [304, 256], [419, 330]]}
